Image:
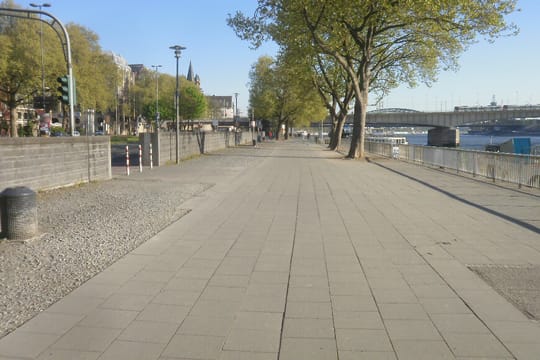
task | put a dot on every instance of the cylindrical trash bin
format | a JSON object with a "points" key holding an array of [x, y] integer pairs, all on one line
{"points": [[19, 213]]}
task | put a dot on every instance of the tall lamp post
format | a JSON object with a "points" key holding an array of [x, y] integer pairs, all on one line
{"points": [[177, 52], [156, 67], [236, 121], [40, 6], [236, 109]]}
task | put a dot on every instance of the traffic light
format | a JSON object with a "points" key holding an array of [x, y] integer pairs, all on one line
{"points": [[64, 89]]}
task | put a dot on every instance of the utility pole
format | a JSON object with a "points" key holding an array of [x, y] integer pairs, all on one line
{"points": [[156, 67], [177, 52], [42, 54]]}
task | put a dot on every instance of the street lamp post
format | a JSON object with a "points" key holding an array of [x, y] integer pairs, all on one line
{"points": [[177, 51], [236, 107], [236, 121], [40, 6], [156, 67]]}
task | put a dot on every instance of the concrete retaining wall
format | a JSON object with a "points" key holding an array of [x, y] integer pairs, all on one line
{"points": [[190, 144], [46, 163]]}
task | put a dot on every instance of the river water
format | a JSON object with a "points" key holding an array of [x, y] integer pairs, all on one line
{"points": [[472, 142]]}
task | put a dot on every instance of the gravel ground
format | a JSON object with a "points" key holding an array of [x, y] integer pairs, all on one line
{"points": [[83, 230]]}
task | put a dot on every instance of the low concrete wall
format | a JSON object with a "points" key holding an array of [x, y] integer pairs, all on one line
{"points": [[46, 163], [164, 144]]}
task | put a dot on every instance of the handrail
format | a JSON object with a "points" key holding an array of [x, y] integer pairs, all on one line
{"points": [[522, 170]]}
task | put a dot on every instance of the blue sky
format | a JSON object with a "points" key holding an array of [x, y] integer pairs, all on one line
{"points": [[142, 31]]}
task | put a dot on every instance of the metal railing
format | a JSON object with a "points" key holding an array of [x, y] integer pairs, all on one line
{"points": [[523, 170]]}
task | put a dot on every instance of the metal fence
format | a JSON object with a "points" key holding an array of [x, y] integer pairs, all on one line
{"points": [[522, 170]]}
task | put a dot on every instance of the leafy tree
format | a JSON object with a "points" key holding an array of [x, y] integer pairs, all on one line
{"points": [[379, 43], [261, 97], [95, 72], [19, 38], [192, 100], [21, 70], [144, 93], [281, 92]]}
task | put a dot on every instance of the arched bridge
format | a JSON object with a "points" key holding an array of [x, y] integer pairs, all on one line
{"points": [[447, 119]]}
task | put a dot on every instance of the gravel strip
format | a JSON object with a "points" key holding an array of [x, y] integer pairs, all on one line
{"points": [[83, 230]]}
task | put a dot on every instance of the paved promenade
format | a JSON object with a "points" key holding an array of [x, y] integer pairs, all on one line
{"points": [[298, 254]]}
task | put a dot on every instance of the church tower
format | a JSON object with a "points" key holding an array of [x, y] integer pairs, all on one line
{"points": [[194, 78]]}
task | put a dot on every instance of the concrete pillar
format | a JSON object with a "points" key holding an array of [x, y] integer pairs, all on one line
{"points": [[444, 137]]}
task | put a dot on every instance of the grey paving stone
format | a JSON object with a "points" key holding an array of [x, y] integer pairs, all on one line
{"points": [[516, 332], [51, 323], [358, 320], [313, 349], [366, 355], [313, 310], [263, 304], [458, 323], [351, 288], [527, 351], [176, 297], [206, 326], [75, 305], [266, 289], [391, 296], [109, 318], [412, 330], [164, 313], [56, 354], [25, 344], [240, 281], [246, 355], [131, 350], [353, 303], [402, 312], [453, 305], [309, 282], [149, 331], [362, 340], [87, 339], [94, 289], [186, 284], [475, 345], [153, 276], [126, 302], [422, 350], [253, 340], [299, 294], [258, 320], [193, 273], [223, 293], [136, 287], [193, 347], [215, 308], [308, 328]]}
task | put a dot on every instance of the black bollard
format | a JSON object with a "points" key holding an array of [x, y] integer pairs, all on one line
{"points": [[19, 213]]}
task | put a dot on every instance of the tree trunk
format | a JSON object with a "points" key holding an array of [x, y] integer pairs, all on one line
{"points": [[357, 142], [335, 142], [334, 133], [13, 127], [12, 105]]}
